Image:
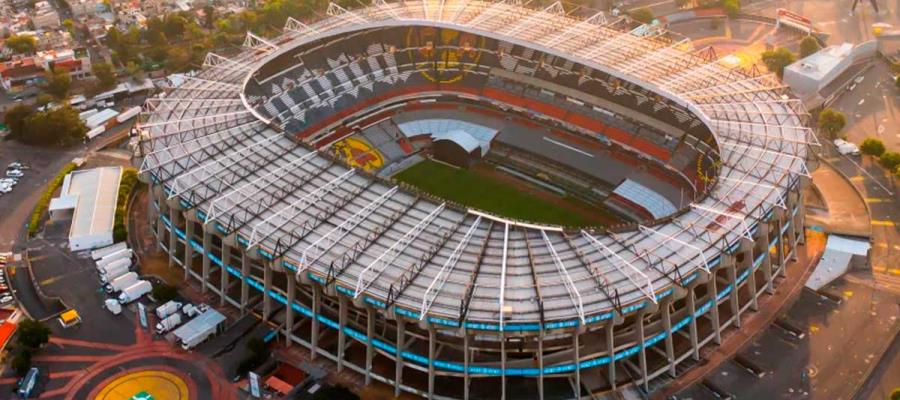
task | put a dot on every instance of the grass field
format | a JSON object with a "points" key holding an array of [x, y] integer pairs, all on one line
{"points": [[509, 197]]}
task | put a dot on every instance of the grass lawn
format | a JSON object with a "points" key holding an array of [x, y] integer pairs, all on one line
{"points": [[492, 195]]}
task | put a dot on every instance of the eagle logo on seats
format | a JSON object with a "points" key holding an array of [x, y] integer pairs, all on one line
{"points": [[443, 55]]}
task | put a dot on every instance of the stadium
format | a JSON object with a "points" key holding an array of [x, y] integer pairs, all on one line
{"points": [[633, 196]]}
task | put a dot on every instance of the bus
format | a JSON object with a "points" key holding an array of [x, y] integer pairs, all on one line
{"points": [[27, 384]]}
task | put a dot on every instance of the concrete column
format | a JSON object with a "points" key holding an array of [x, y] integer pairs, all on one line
{"points": [[314, 335], [611, 347], [370, 348], [502, 365], [207, 247], [267, 287], [289, 309], [712, 291], [223, 276], [431, 355], [467, 357], [245, 274], [692, 326], [643, 352], [766, 266], [733, 298], [188, 250], [541, 363], [398, 358], [749, 259], [780, 247], [577, 357], [667, 325], [173, 238], [342, 338]]}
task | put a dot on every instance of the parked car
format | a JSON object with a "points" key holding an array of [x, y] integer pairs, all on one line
{"points": [[846, 148], [14, 173], [6, 299]]}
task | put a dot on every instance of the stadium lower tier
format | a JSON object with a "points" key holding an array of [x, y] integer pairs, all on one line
{"points": [[456, 359]]}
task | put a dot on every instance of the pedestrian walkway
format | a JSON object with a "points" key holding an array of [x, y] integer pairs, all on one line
{"points": [[847, 213]]}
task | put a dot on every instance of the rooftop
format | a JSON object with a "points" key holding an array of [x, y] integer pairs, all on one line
{"points": [[93, 194]]}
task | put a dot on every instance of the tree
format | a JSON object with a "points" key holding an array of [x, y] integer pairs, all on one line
{"points": [[808, 46], [15, 119], [106, 76], [335, 393], [642, 14], [58, 84], [164, 293], [895, 395], [731, 7], [209, 16], [21, 44], [43, 99], [134, 71], [59, 126], [32, 334], [889, 160], [897, 81], [777, 59], [177, 58], [69, 25], [831, 122], [21, 362], [872, 147], [682, 3]]}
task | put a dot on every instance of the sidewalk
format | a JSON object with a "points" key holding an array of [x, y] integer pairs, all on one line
{"points": [[847, 213]]}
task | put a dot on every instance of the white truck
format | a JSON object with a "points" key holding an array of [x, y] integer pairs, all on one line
{"points": [[190, 310], [135, 292], [122, 282], [113, 306], [105, 251], [168, 323], [199, 329], [167, 309], [114, 270], [119, 255]]}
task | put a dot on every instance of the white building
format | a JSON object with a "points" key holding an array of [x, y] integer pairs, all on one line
{"points": [[89, 198], [808, 76]]}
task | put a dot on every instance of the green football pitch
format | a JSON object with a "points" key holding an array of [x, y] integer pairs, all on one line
{"points": [[511, 198]]}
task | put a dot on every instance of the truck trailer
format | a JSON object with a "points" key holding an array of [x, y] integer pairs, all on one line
{"points": [[135, 292], [119, 255], [168, 323], [122, 282], [200, 329], [114, 270], [105, 251], [168, 309]]}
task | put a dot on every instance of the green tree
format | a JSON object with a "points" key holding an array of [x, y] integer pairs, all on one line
{"points": [[895, 395], [897, 81], [134, 71], [831, 122], [21, 361], [59, 126], [164, 292], [642, 14], [731, 7], [21, 44], [58, 84], [32, 334], [177, 59], [890, 160], [209, 16], [777, 59], [43, 99], [106, 76], [872, 147], [808, 46], [69, 25], [15, 119]]}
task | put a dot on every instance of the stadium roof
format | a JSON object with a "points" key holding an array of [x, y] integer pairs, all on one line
{"points": [[216, 155]]}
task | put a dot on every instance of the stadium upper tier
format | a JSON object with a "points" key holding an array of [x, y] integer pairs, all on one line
{"points": [[224, 146]]}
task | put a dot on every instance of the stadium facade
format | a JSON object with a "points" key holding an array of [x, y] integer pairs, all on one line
{"points": [[447, 302]]}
